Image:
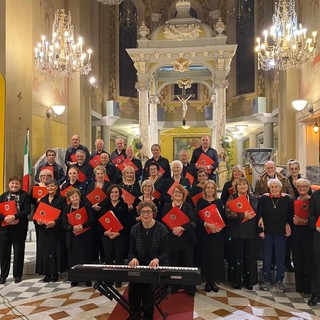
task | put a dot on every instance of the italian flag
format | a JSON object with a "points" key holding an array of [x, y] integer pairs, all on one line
{"points": [[26, 165]]}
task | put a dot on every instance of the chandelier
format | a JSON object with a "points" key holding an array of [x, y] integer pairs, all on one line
{"points": [[286, 44], [110, 2], [63, 57]]}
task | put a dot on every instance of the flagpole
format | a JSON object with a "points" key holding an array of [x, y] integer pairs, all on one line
{"points": [[26, 164]]}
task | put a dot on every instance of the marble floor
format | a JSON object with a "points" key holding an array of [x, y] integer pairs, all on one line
{"points": [[33, 299]]}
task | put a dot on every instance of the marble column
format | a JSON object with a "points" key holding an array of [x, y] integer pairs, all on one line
{"points": [[143, 90], [153, 121], [267, 119], [105, 136], [219, 113]]}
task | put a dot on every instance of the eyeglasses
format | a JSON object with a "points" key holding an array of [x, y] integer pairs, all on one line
{"points": [[146, 211], [305, 187], [46, 175]]}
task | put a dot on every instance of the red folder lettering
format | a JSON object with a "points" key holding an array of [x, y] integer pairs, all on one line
{"points": [[96, 196], [95, 161], [204, 160], [46, 213], [128, 198], [127, 163], [301, 208], [175, 218], [39, 192], [118, 160], [8, 208], [190, 177], [196, 198], [77, 217], [110, 221], [241, 205], [211, 215]]}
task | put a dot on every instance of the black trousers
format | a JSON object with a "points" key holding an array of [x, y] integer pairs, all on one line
{"points": [[142, 293], [12, 236], [115, 249]]}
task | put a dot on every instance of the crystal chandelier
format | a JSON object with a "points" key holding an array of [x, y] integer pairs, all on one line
{"points": [[63, 57], [286, 44], [110, 2]]}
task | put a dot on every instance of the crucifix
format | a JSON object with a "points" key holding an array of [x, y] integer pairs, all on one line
{"points": [[184, 99]]}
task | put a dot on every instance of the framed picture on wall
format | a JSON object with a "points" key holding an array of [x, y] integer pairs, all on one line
{"points": [[185, 143]]}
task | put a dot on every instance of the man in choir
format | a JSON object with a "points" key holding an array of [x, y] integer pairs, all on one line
{"points": [[120, 149], [136, 161], [83, 167], [99, 143], [210, 153], [161, 161], [270, 172], [75, 145], [58, 172], [187, 166]]}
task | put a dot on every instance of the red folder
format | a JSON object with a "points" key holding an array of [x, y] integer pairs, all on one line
{"points": [[8, 208], [127, 163], [196, 198], [95, 161], [118, 160], [204, 160], [241, 205], [170, 191], [161, 170], [318, 222], [96, 196], [82, 177], [211, 214], [49, 168], [46, 213], [231, 190], [110, 221], [157, 194], [64, 191], [175, 218], [106, 178], [301, 208], [128, 198], [190, 177], [73, 158], [39, 192], [78, 217]]}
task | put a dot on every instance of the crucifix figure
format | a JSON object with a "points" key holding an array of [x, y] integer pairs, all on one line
{"points": [[184, 99]]}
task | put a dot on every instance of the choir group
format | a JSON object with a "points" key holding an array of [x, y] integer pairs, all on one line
{"points": [[110, 208]]}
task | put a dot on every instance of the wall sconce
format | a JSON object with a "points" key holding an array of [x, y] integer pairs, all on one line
{"points": [[316, 127], [299, 105], [56, 110]]}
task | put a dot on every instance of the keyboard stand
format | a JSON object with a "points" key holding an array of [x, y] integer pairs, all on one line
{"points": [[110, 292]]}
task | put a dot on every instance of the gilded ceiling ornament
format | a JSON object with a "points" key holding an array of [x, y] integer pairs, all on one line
{"points": [[184, 83], [181, 64], [182, 31]]}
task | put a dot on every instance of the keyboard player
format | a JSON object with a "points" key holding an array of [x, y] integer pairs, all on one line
{"points": [[148, 247]]}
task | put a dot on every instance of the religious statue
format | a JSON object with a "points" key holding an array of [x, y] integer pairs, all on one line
{"points": [[184, 105]]}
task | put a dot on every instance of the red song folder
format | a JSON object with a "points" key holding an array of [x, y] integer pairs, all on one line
{"points": [[231, 190], [241, 205], [106, 178], [211, 214], [190, 177], [50, 168], [301, 208], [39, 192], [82, 177], [110, 221], [175, 218], [118, 160], [196, 198], [128, 198], [73, 158], [78, 217], [157, 194], [318, 222], [204, 160], [63, 192], [127, 163], [46, 213], [170, 191], [95, 161], [96, 196], [8, 208]]}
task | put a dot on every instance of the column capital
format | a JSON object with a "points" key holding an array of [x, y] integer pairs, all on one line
{"points": [[154, 99], [142, 86], [221, 84]]}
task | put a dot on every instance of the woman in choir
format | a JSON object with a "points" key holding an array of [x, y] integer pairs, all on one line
{"points": [[182, 238], [78, 236], [237, 171], [115, 243], [302, 238], [147, 190], [51, 237], [211, 244], [242, 227], [129, 182], [157, 182], [275, 213], [72, 180], [13, 230], [148, 247], [112, 172], [99, 182], [197, 189]]}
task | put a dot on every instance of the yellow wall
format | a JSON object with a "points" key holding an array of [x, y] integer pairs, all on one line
{"points": [[59, 135], [2, 113], [38, 138]]}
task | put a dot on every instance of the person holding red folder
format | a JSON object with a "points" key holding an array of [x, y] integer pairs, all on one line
{"points": [[51, 252], [14, 232], [211, 244], [85, 169], [72, 181], [99, 182], [79, 243], [242, 232], [113, 174], [302, 238], [196, 191], [115, 244], [135, 161], [182, 238], [158, 182]]}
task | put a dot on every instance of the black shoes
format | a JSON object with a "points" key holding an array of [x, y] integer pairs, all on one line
{"points": [[17, 279], [88, 283], [118, 284], [313, 301], [46, 278], [74, 284], [210, 287], [2, 280], [214, 288], [55, 278]]}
